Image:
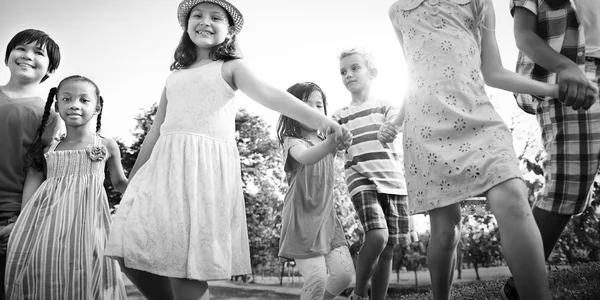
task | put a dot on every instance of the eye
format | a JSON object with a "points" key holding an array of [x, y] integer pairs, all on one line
{"points": [[20, 48], [42, 53], [343, 72], [196, 16], [217, 18]]}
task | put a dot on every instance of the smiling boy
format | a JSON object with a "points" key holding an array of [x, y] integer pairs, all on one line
{"points": [[31, 57]]}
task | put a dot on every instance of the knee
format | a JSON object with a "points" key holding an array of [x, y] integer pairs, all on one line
{"points": [[510, 199], [377, 237]]}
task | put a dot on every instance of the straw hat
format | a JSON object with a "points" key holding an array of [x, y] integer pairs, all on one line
{"points": [[183, 12]]}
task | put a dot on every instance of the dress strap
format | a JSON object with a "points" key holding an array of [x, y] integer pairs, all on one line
{"points": [[97, 140], [55, 142]]}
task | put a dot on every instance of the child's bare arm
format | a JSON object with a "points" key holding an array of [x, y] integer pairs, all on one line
{"points": [[33, 180], [494, 73], [311, 155], [279, 100], [152, 136], [574, 88], [115, 169]]}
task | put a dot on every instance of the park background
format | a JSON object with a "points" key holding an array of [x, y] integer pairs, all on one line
{"points": [[126, 47]]}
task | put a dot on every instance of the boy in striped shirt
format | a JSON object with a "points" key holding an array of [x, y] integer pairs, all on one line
{"points": [[374, 176]]}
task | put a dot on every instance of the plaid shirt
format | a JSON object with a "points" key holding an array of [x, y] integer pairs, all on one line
{"points": [[562, 30]]}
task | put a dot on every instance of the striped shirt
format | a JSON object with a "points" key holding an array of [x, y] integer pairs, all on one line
{"points": [[562, 30], [370, 165]]}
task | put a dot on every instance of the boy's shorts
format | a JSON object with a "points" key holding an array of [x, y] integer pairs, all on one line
{"points": [[572, 143], [384, 211]]}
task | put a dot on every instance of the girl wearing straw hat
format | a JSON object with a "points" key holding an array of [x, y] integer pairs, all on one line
{"points": [[182, 220]]}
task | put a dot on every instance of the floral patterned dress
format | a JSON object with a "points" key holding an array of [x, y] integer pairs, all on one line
{"points": [[456, 146], [56, 249]]}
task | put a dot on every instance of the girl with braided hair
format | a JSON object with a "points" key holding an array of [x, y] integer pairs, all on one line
{"points": [[56, 247]]}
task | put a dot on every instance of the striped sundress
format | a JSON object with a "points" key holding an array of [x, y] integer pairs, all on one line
{"points": [[55, 250]]}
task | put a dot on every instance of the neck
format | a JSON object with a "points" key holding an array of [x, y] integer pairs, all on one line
{"points": [[78, 133], [15, 88], [361, 97]]}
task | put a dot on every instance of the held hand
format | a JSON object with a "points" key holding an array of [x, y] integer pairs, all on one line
{"points": [[387, 133], [574, 89], [347, 141]]}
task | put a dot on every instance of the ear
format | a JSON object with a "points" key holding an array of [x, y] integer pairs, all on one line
{"points": [[373, 72], [56, 106], [98, 109]]}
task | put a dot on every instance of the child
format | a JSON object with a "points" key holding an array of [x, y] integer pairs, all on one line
{"points": [[31, 57], [456, 145], [182, 221], [56, 248], [553, 49], [311, 232], [374, 176]]}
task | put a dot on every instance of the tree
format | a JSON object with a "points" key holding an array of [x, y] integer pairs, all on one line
{"points": [[129, 154], [481, 242], [262, 184]]}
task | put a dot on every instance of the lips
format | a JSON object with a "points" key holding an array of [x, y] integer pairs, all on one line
{"points": [[25, 65]]}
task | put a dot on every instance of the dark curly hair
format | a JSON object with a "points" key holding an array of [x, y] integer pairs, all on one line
{"points": [[34, 157], [288, 127]]}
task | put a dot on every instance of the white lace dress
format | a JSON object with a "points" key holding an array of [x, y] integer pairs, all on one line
{"points": [[183, 214]]}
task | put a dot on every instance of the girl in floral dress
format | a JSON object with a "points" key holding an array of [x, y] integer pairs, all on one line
{"points": [[56, 247], [456, 145]]}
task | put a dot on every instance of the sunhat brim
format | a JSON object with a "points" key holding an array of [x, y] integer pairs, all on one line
{"points": [[183, 12]]}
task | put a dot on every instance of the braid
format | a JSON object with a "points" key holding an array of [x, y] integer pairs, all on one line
{"points": [[99, 116], [34, 157]]}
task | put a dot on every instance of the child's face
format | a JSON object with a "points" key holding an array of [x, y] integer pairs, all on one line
{"points": [[315, 101], [28, 62], [76, 103], [208, 25], [356, 76]]}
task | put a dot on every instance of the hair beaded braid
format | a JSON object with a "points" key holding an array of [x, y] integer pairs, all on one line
{"points": [[34, 157]]}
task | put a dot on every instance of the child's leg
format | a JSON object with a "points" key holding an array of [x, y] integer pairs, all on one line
{"points": [[521, 240], [381, 275], [445, 233], [373, 220], [314, 271], [341, 271], [375, 241], [186, 289], [152, 286]]}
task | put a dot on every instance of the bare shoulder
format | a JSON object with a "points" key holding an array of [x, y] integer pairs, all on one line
{"points": [[110, 144], [230, 69]]}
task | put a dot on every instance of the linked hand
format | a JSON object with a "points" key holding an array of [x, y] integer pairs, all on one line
{"points": [[387, 133], [347, 141], [574, 89]]}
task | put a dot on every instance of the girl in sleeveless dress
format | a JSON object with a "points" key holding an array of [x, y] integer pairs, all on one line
{"points": [[182, 221], [456, 145], [56, 247], [311, 232]]}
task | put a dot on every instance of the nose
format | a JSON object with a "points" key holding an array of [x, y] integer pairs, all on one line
{"points": [[73, 105], [27, 54]]}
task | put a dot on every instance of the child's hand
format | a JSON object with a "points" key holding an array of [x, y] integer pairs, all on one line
{"points": [[347, 142], [387, 133], [574, 89]]}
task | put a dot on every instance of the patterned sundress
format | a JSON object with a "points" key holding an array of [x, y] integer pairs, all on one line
{"points": [[56, 248]]}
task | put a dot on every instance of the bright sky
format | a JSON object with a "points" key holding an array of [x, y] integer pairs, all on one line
{"points": [[126, 47]]}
